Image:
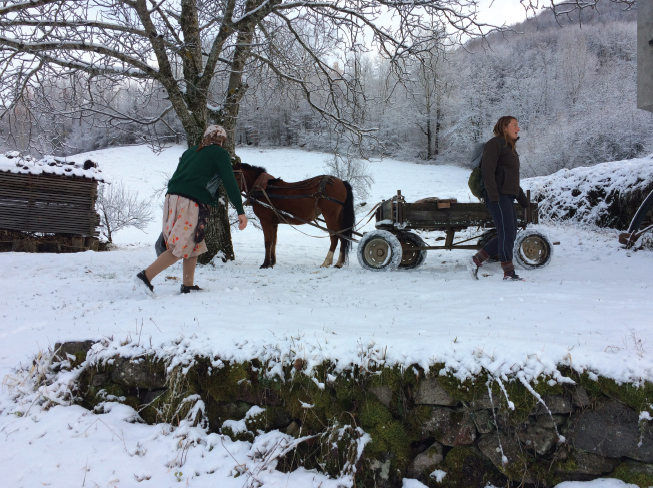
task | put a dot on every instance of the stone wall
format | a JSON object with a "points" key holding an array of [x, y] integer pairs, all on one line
{"points": [[478, 431]]}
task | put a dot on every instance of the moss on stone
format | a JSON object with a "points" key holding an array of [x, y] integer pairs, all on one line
{"points": [[222, 384], [390, 438], [373, 413], [637, 397], [634, 473]]}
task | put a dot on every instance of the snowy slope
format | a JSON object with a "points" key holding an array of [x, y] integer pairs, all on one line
{"points": [[588, 309]]}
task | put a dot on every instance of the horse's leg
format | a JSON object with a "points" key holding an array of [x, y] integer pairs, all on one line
{"points": [[267, 227], [273, 247], [328, 261], [342, 256], [331, 219]]}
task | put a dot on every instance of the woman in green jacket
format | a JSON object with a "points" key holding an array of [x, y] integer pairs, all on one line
{"points": [[191, 191]]}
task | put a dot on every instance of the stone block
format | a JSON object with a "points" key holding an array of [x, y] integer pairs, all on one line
{"points": [[537, 437], [63, 349], [483, 402], [492, 445], [483, 420], [613, 430], [450, 427], [383, 393], [426, 461], [583, 464], [429, 392], [579, 397], [556, 405], [139, 373]]}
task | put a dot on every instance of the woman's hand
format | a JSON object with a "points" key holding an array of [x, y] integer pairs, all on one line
{"points": [[242, 222]]}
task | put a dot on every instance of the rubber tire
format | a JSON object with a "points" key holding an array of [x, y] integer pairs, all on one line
{"points": [[378, 238], [520, 256], [643, 209], [419, 258]]}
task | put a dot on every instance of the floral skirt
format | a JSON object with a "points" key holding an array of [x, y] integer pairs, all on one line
{"points": [[183, 226]]}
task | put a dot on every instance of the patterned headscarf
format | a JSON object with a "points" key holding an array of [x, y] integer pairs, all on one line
{"points": [[214, 134]]}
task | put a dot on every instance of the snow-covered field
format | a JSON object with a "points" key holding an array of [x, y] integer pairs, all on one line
{"points": [[591, 308]]}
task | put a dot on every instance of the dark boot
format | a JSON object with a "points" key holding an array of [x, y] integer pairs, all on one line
{"points": [[140, 277], [188, 289]]}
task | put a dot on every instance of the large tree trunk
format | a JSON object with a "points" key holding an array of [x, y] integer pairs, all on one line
{"points": [[218, 234]]}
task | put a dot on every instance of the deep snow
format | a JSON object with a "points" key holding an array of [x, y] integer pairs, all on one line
{"points": [[590, 308]]}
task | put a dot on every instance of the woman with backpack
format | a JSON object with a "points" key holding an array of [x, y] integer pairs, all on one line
{"points": [[191, 191], [500, 170]]}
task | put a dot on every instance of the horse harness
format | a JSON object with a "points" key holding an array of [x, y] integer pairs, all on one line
{"points": [[260, 185]]}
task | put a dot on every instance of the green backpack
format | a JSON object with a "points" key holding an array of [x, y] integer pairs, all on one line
{"points": [[475, 182]]}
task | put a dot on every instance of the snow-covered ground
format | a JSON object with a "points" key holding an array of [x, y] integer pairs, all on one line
{"points": [[591, 308]]}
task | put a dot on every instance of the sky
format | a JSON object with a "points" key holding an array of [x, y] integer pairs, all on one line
{"points": [[498, 12]]}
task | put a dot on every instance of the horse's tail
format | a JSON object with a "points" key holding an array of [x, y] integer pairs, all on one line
{"points": [[348, 220]]}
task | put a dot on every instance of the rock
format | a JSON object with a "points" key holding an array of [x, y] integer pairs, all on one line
{"points": [[429, 392], [381, 474], [293, 429], [145, 374], [483, 420], [613, 430], [152, 395], [73, 348], [383, 393], [583, 465], [450, 427], [537, 437], [426, 461], [483, 402], [100, 379], [579, 397], [633, 472], [466, 467], [491, 446], [556, 405], [551, 421]]}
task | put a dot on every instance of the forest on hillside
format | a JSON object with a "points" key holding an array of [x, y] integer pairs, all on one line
{"points": [[571, 84]]}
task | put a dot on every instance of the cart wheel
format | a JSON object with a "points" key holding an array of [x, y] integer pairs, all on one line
{"points": [[532, 249], [379, 250], [410, 258]]}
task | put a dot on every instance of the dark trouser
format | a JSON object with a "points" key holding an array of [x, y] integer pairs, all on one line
{"points": [[505, 219]]}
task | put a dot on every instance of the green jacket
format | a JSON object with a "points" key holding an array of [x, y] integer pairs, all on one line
{"points": [[199, 173]]}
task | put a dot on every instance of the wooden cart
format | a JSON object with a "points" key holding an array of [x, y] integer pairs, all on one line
{"points": [[394, 244]]}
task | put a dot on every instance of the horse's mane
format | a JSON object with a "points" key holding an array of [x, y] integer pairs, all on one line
{"points": [[257, 169]]}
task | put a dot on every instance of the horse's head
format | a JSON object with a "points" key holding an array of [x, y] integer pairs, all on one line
{"points": [[246, 175]]}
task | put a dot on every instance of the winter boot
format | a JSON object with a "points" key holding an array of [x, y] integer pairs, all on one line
{"points": [[512, 276], [188, 289], [475, 262], [473, 265], [509, 271]]}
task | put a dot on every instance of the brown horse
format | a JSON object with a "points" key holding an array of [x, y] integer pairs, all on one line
{"points": [[323, 195]]}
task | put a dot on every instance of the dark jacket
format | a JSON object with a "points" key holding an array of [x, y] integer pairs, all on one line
{"points": [[500, 169], [199, 173]]}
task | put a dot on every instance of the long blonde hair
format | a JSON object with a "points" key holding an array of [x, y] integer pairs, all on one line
{"points": [[500, 130]]}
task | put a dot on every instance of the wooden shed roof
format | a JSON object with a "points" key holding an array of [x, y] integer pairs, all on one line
{"points": [[13, 162]]}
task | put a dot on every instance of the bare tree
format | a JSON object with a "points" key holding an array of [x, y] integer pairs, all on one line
{"points": [[119, 208], [355, 171], [194, 59]]}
